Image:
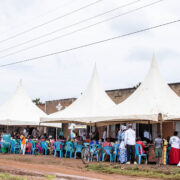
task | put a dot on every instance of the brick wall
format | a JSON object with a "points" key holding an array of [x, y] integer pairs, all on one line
{"points": [[117, 95]]}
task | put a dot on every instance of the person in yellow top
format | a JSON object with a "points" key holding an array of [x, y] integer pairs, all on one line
{"points": [[23, 144]]}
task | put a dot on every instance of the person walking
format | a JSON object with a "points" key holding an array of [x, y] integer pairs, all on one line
{"points": [[130, 141]]}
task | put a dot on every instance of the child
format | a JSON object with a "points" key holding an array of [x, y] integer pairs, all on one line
{"points": [[158, 142], [23, 144]]}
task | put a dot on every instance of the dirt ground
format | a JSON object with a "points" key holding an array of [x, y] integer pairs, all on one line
{"points": [[36, 167]]}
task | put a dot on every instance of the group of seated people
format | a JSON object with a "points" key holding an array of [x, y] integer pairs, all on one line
{"points": [[119, 149]]}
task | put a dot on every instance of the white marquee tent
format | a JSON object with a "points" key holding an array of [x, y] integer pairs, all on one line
{"points": [[152, 98], [88, 105], [21, 111]]}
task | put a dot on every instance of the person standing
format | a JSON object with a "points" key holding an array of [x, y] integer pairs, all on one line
{"points": [[122, 148], [158, 144], [73, 135], [23, 144], [130, 141], [34, 133], [174, 153], [105, 135]]}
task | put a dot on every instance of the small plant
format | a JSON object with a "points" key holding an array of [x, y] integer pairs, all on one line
{"points": [[49, 177], [10, 177]]}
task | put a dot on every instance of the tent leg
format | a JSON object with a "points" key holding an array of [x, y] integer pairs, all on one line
{"points": [[90, 132], [56, 134]]}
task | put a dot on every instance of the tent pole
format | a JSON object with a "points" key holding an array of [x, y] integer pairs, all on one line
{"points": [[90, 131], [56, 134], [149, 129]]}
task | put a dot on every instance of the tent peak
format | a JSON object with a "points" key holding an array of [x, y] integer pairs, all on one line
{"points": [[154, 62]]}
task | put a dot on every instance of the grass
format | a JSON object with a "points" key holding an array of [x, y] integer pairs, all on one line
{"points": [[10, 177], [148, 172], [50, 177]]}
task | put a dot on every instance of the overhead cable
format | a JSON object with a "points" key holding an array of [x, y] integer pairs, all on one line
{"points": [[68, 26], [50, 21], [80, 29], [91, 44]]}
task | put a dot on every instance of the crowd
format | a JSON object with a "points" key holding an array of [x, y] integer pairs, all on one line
{"points": [[124, 149]]}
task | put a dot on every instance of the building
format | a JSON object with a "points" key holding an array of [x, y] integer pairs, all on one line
{"points": [[117, 95]]}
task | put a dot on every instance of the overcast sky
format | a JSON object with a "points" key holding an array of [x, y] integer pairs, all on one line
{"points": [[121, 63]]}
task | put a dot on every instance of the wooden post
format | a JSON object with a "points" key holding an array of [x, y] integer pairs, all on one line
{"points": [[56, 134], [161, 121]]}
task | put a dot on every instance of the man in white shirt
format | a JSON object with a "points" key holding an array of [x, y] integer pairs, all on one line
{"points": [[130, 141], [105, 134]]}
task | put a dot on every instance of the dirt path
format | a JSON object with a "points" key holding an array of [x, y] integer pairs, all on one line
{"points": [[50, 165]]}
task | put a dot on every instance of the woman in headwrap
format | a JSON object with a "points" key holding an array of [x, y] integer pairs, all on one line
{"points": [[122, 148]]}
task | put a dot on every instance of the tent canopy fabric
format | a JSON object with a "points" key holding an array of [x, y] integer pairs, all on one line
{"points": [[87, 106], [21, 111], [152, 97]]}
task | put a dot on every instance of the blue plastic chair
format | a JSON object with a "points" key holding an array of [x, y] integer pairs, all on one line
{"points": [[15, 147], [69, 148], [107, 150], [33, 147], [78, 149], [58, 147], [94, 151], [6, 142], [137, 148], [115, 152], [44, 146], [86, 144]]}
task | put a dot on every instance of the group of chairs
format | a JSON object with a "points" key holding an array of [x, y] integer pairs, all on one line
{"points": [[68, 148]]}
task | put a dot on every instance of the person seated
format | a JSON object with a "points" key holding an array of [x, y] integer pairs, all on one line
{"points": [[94, 142], [79, 140], [139, 141], [107, 143]]}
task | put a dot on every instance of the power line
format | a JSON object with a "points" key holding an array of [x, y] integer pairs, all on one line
{"points": [[91, 44], [78, 30], [68, 26], [50, 21], [37, 17]]}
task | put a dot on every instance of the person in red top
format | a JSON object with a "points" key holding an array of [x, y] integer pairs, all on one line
{"points": [[138, 141]]}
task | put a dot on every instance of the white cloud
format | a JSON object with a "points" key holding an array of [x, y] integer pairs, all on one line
{"points": [[121, 63]]}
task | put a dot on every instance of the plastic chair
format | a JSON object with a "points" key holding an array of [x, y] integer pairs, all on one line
{"points": [[86, 144], [107, 150], [44, 146], [6, 144], [78, 149], [115, 152], [69, 148], [58, 146], [138, 148], [33, 147], [94, 151], [15, 147]]}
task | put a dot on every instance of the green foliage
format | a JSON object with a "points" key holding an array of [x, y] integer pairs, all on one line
{"points": [[10, 177], [173, 173], [49, 177]]}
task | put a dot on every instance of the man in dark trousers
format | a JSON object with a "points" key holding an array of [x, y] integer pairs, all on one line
{"points": [[130, 141]]}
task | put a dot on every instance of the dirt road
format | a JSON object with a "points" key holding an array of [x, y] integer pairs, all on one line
{"points": [[39, 166]]}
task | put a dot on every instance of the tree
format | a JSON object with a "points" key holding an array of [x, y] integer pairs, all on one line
{"points": [[37, 101]]}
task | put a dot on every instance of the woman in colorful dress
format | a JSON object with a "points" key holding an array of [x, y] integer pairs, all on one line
{"points": [[122, 148], [174, 153]]}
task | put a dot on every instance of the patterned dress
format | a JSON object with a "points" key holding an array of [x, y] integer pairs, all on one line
{"points": [[122, 149]]}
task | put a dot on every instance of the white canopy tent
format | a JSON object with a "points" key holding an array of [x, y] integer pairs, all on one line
{"points": [[21, 111], [87, 106], [152, 99]]}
